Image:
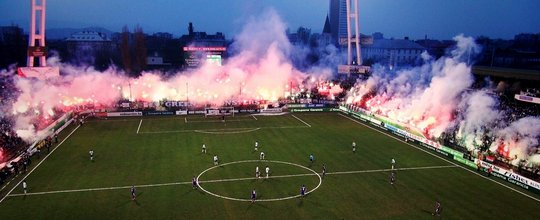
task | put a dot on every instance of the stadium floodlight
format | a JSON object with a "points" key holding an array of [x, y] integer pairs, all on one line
{"points": [[40, 51]]}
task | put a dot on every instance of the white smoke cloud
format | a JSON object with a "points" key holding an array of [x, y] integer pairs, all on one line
{"points": [[520, 138], [437, 97], [480, 115], [260, 69]]}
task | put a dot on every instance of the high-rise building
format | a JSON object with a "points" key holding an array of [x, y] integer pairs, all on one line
{"points": [[338, 21]]}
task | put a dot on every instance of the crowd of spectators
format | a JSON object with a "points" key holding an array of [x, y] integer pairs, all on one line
{"points": [[512, 110], [10, 143]]}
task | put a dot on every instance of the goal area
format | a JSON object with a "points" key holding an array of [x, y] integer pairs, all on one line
{"points": [[219, 111]]}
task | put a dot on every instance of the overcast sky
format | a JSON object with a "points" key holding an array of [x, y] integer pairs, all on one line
{"points": [[439, 19]]}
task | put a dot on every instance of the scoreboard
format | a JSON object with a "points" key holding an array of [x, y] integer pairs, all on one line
{"points": [[196, 56]]}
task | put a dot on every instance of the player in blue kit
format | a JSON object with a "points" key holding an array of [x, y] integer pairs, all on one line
{"points": [[133, 193], [303, 191], [253, 195], [194, 183], [323, 170]]}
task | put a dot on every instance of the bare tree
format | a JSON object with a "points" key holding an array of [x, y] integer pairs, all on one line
{"points": [[125, 50], [140, 49]]}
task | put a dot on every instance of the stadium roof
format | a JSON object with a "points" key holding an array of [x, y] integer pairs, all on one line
{"points": [[395, 44], [88, 36], [509, 73]]}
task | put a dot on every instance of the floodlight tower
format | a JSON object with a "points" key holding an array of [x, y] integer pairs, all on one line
{"points": [[352, 15], [351, 67], [38, 12]]}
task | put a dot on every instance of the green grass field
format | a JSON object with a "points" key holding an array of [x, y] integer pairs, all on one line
{"points": [[160, 156]]}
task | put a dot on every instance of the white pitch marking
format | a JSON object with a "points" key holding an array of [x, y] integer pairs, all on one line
{"points": [[227, 132], [538, 200], [39, 164], [140, 123], [257, 161], [218, 121], [220, 180], [302, 121], [254, 117], [210, 130], [385, 170]]}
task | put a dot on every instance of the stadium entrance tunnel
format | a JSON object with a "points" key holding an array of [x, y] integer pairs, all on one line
{"points": [[235, 180]]}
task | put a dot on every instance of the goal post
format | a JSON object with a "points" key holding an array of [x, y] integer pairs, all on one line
{"points": [[219, 111]]}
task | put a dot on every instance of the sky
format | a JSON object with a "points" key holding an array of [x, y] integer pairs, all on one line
{"points": [[438, 19]]}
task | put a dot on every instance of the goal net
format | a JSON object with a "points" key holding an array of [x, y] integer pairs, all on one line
{"points": [[220, 111]]}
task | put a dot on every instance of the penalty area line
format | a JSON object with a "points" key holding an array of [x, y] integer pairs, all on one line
{"points": [[301, 120], [140, 123], [224, 129], [222, 180]]}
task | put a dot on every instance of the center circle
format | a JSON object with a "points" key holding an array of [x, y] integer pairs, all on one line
{"points": [[253, 161]]}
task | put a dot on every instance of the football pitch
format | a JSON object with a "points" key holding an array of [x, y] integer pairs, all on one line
{"points": [[161, 155]]}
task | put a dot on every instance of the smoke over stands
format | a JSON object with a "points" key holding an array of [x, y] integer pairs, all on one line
{"points": [[436, 97], [261, 70]]}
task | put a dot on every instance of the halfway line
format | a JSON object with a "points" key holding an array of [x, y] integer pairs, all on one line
{"points": [[222, 180]]}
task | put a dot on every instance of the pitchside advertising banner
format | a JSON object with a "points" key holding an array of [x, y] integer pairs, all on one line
{"points": [[120, 114], [505, 174], [312, 110], [316, 105], [182, 112], [271, 110], [510, 176], [159, 113]]}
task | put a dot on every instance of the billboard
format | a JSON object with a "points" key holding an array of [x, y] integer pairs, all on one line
{"points": [[42, 72], [196, 56], [37, 51], [348, 69]]}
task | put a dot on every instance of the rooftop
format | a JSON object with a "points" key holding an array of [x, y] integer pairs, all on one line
{"points": [[88, 36], [395, 44]]}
